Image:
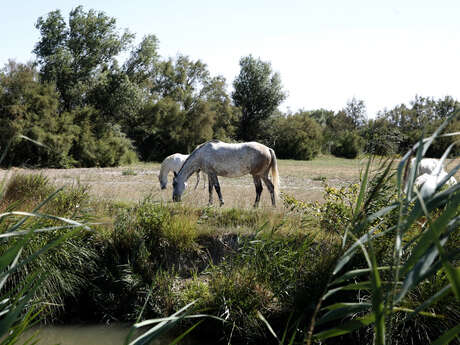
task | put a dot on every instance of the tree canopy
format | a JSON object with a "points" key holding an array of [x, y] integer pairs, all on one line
{"points": [[258, 92]]}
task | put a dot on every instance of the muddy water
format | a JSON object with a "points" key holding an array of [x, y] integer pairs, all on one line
{"points": [[113, 334]]}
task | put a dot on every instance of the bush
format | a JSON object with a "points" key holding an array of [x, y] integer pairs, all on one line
{"points": [[348, 145], [25, 188], [100, 144], [296, 136], [382, 138]]}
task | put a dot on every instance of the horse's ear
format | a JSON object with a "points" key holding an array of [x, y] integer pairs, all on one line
{"points": [[175, 174]]}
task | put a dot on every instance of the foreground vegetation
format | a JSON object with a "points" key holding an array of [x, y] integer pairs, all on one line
{"points": [[263, 273]]}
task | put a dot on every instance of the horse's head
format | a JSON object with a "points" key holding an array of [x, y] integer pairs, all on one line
{"points": [[163, 182], [178, 188]]}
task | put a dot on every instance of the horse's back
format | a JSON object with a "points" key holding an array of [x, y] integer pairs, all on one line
{"points": [[174, 162], [233, 160]]}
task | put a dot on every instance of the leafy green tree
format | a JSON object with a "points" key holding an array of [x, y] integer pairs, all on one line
{"points": [[297, 136], [422, 116], [356, 111], [72, 55], [225, 114], [117, 98], [30, 108], [258, 92], [100, 143], [142, 65], [348, 145], [342, 134], [80, 137], [381, 138], [336, 126], [322, 116], [186, 107]]}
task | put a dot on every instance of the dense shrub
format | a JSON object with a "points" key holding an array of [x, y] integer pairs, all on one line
{"points": [[296, 136], [109, 148], [348, 145], [381, 138]]}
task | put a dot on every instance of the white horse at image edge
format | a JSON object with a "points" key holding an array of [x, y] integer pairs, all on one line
{"points": [[217, 158], [174, 163], [430, 172]]}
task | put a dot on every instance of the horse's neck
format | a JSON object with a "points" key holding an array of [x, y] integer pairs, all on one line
{"points": [[164, 170], [189, 167]]}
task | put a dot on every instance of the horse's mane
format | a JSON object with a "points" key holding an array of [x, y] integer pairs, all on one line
{"points": [[194, 152]]}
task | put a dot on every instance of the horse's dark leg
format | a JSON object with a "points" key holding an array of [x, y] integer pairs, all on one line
{"points": [[210, 187], [197, 178], [217, 187], [259, 188], [270, 187]]}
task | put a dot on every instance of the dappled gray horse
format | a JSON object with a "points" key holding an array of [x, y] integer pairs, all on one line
{"points": [[217, 158], [174, 163]]}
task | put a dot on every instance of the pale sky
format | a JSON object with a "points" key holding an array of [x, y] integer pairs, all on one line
{"points": [[326, 52]]}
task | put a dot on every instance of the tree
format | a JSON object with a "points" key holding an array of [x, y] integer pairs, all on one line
{"points": [[322, 116], [349, 144], [142, 65], [71, 55], [336, 128], [356, 111], [117, 98], [381, 137], [80, 137], [30, 108], [423, 116], [258, 92], [297, 136], [186, 107]]}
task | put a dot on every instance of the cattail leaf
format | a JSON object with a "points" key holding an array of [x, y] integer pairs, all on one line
{"points": [[346, 328], [362, 190], [366, 285], [45, 216], [419, 271], [430, 301], [453, 274], [8, 257], [350, 252], [448, 336], [432, 233], [181, 336], [158, 329], [22, 299], [264, 320], [357, 273], [342, 310]]}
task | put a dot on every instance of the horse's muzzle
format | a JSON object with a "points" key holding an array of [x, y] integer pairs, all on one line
{"points": [[176, 198]]}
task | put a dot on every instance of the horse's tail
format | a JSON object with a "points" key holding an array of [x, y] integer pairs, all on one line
{"points": [[275, 174]]}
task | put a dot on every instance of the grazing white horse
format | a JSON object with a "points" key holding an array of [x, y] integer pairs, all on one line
{"points": [[427, 183], [426, 166], [217, 158], [174, 163], [430, 172]]}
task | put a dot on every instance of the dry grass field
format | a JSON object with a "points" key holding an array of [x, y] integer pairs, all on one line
{"points": [[301, 179]]}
